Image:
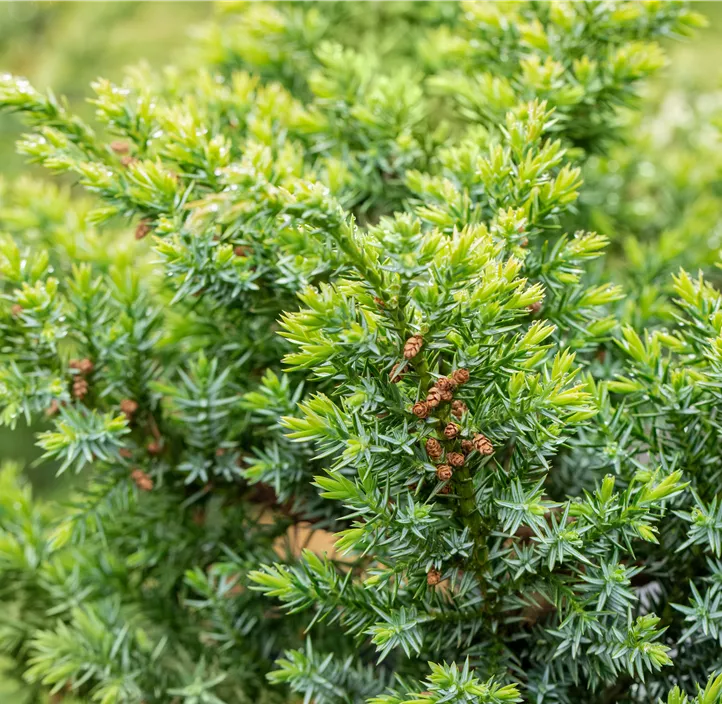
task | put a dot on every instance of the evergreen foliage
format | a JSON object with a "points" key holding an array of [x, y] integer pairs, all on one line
{"points": [[362, 295]]}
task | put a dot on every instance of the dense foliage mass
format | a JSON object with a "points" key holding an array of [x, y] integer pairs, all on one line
{"points": [[363, 296]]}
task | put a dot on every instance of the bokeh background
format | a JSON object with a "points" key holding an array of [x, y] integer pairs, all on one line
{"points": [[66, 45]]}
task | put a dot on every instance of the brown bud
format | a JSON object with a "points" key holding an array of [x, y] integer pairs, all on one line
{"points": [[240, 251], [446, 489], [482, 445], [52, 409], [434, 449], [467, 446], [143, 229], [85, 366], [433, 399], [444, 472], [421, 409], [451, 431], [456, 459], [446, 384], [524, 242], [74, 364], [125, 453], [379, 302], [446, 394], [120, 147], [535, 307], [394, 375], [220, 451], [128, 160], [154, 448], [141, 479], [433, 577], [458, 408], [461, 376], [80, 388], [16, 310], [128, 406], [413, 346]]}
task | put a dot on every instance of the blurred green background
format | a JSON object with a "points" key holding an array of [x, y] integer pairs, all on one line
{"points": [[66, 45]]}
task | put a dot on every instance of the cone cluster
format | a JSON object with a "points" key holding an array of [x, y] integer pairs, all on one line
{"points": [[454, 454], [82, 367], [142, 480], [443, 392]]}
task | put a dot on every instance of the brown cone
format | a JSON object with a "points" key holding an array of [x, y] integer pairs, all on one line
{"points": [[394, 375], [85, 366], [120, 147], [80, 388], [446, 384], [413, 346], [446, 394], [141, 479], [143, 229], [461, 376], [421, 409], [458, 408], [456, 459], [451, 431], [434, 397], [52, 409], [483, 445], [434, 449], [444, 472], [433, 577], [128, 406]]}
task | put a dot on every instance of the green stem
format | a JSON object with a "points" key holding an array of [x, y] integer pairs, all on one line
{"points": [[464, 485]]}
